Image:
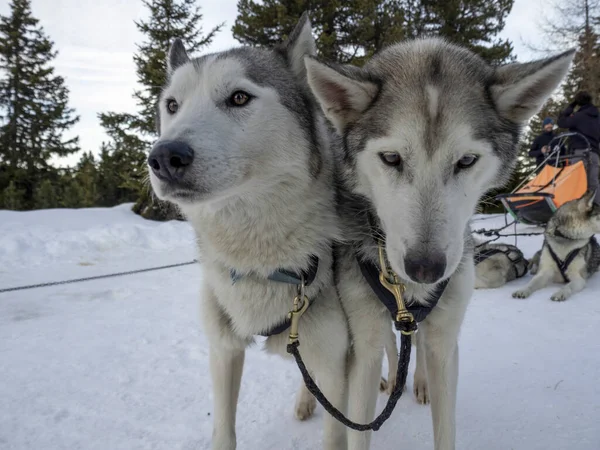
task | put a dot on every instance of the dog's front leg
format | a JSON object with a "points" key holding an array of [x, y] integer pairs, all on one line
{"points": [[441, 354], [576, 284], [226, 366], [539, 281], [305, 402], [440, 337], [364, 378], [391, 351], [420, 378]]}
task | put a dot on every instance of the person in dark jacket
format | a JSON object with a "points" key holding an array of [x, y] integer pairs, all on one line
{"points": [[540, 147], [586, 120]]}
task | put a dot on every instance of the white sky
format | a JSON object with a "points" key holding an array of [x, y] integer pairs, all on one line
{"points": [[96, 40]]}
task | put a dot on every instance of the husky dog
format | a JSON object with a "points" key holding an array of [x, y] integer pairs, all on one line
{"points": [[426, 128], [245, 152], [498, 264], [570, 253]]}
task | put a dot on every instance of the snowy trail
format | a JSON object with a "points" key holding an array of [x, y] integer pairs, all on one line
{"points": [[123, 363]]}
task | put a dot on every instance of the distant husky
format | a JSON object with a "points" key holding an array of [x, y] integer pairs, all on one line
{"points": [[244, 151], [497, 264], [426, 129], [570, 253]]}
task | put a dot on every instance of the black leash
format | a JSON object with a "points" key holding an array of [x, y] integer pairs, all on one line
{"points": [[402, 373], [403, 321]]}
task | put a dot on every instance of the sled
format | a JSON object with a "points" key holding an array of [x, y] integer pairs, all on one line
{"points": [[559, 179]]}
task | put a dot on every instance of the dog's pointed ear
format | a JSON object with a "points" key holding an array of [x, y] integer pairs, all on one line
{"points": [[520, 90], [343, 92], [300, 43], [177, 56], [589, 198]]}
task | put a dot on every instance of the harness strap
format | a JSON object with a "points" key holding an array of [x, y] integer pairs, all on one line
{"points": [[481, 256], [563, 266], [288, 277], [419, 311]]}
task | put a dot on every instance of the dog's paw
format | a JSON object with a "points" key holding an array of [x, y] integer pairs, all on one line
{"points": [[559, 296], [384, 385], [420, 390], [305, 407], [524, 293]]}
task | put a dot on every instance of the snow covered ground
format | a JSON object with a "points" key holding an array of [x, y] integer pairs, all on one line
{"points": [[122, 363]]}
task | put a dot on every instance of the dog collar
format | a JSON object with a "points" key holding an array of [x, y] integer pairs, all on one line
{"points": [[288, 277], [371, 273]]}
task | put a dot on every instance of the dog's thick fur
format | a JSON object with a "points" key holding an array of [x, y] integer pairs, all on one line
{"points": [[260, 196], [426, 129], [571, 227], [499, 268]]}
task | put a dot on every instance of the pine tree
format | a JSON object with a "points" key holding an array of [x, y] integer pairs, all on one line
{"points": [[12, 197], [73, 194], [45, 195], [86, 176], [571, 24], [585, 69], [474, 24], [350, 32], [131, 135], [346, 31], [33, 102]]}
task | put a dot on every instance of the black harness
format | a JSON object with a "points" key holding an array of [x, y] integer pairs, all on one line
{"points": [[563, 266], [481, 255], [288, 277], [419, 312]]}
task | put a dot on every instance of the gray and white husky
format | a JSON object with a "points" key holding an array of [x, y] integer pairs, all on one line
{"points": [[426, 128], [244, 151], [570, 253], [497, 264]]}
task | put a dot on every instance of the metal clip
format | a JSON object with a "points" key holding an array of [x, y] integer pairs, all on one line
{"points": [[390, 281], [301, 303]]}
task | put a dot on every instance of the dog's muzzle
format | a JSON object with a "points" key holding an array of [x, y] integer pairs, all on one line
{"points": [[169, 160]]}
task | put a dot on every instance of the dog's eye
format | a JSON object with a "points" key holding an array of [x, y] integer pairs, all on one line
{"points": [[391, 159], [172, 106], [466, 161], [239, 98]]}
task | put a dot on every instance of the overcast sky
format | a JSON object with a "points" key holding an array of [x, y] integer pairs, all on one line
{"points": [[96, 41]]}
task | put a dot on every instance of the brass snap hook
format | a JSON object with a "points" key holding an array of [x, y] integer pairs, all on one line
{"points": [[390, 281], [301, 303]]}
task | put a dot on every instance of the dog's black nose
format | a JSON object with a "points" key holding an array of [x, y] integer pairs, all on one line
{"points": [[170, 159], [425, 269]]}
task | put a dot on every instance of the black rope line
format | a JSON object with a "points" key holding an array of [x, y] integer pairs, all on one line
{"points": [[402, 373], [98, 277]]}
